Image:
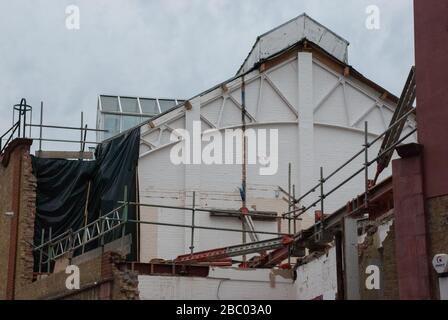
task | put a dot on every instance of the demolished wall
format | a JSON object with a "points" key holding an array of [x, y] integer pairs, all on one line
{"points": [[437, 209], [100, 279], [378, 249]]}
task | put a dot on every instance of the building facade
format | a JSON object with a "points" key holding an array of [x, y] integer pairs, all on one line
{"points": [[296, 81]]}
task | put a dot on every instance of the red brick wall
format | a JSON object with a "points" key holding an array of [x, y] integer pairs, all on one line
{"points": [[438, 233], [5, 225], [100, 279], [17, 194]]}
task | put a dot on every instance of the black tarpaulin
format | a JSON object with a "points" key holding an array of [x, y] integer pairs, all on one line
{"points": [[64, 186]]}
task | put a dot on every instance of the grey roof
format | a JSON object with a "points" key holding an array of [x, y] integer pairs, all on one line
{"points": [[291, 32]]}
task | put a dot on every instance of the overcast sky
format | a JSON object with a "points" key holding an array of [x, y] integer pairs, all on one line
{"points": [[170, 48]]}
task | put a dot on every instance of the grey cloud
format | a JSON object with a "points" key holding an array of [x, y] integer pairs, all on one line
{"points": [[173, 48]]}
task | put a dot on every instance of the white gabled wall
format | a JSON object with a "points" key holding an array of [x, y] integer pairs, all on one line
{"points": [[319, 115]]}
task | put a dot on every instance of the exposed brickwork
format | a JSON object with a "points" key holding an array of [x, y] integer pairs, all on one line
{"points": [[17, 194], [125, 285], [54, 284], [438, 235], [5, 225], [100, 279], [26, 223], [384, 257]]}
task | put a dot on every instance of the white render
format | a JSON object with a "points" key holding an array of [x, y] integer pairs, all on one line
{"points": [[320, 117], [334, 129], [221, 284], [316, 279]]}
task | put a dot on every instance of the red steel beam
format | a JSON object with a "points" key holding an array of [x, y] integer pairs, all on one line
{"points": [[380, 200]]}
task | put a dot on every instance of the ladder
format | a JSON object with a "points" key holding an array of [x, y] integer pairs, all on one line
{"points": [[400, 115]]}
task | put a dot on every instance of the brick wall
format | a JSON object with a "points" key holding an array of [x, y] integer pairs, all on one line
{"points": [[26, 223], [17, 195], [374, 252], [54, 284], [438, 236], [99, 279], [5, 225]]}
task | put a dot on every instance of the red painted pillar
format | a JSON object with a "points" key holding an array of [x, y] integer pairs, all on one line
{"points": [[411, 247], [431, 60]]}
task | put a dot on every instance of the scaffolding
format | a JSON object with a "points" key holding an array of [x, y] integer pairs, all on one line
{"points": [[66, 243], [18, 128], [283, 246], [23, 120]]}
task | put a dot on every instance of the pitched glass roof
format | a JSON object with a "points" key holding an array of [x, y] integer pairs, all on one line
{"points": [[119, 113]]}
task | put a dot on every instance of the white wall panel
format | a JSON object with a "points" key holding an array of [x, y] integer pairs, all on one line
{"points": [[317, 278], [334, 140], [285, 79], [313, 280]]}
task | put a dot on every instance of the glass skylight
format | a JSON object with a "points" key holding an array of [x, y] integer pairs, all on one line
{"points": [[117, 114]]}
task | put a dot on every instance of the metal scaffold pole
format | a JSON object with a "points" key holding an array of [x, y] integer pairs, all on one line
{"points": [[49, 251], [192, 223], [293, 197], [40, 127], [125, 217], [289, 196], [366, 164]]}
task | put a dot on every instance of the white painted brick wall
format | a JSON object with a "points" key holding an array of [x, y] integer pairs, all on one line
{"points": [[315, 279], [333, 142]]}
